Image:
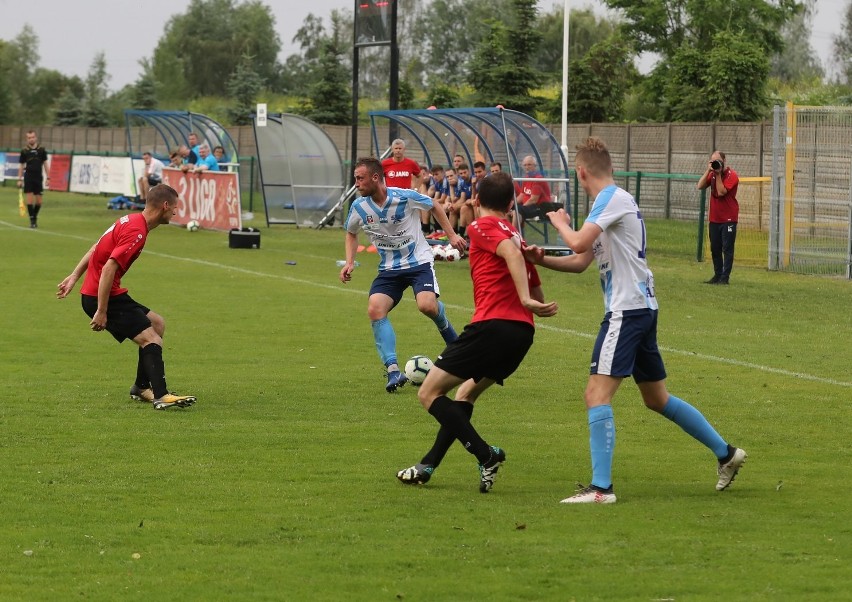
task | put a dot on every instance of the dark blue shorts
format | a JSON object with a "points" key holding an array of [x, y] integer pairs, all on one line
{"points": [[125, 317], [394, 282], [627, 345]]}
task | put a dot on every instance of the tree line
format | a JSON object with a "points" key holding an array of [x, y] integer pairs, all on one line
{"points": [[714, 60]]}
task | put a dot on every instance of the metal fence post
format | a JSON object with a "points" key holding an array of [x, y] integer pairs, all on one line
{"points": [[251, 185], [699, 254]]}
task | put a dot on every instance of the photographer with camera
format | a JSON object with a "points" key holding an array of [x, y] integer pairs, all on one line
{"points": [[724, 213]]}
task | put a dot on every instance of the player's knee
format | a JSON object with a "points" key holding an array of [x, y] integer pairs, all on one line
{"points": [[428, 307], [426, 396], [376, 313], [147, 337], [158, 323]]}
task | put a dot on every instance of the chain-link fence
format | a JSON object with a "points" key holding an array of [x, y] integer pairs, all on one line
{"points": [[811, 207]]}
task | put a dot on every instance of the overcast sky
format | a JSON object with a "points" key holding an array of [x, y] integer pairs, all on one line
{"points": [[71, 32]]}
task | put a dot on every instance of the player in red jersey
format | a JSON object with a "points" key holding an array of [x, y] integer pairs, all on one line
{"points": [[506, 292], [110, 307], [400, 171]]}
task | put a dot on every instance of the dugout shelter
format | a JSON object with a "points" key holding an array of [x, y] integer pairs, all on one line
{"points": [[435, 136], [159, 132], [302, 175]]}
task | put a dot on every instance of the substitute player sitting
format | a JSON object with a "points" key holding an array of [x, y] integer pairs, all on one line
{"points": [[391, 218]]}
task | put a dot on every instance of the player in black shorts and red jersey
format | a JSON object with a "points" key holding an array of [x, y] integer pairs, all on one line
{"points": [[33, 162], [113, 310], [506, 293]]}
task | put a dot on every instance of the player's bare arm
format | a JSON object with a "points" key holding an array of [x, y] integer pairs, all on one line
{"points": [[99, 320], [578, 241], [351, 248], [454, 239], [67, 285], [575, 263], [517, 268]]}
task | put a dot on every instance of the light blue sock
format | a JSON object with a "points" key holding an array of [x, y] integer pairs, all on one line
{"points": [[441, 320], [693, 422], [385, 340], [601, 444], [444, 327]]}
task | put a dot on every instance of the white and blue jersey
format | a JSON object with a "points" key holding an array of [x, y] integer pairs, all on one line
{"points": [[393, 228], [465, 187], [626, 280]]}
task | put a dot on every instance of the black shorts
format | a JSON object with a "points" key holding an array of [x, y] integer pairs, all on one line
{"points": [[33, 185], [491, 349], [125, 317]]}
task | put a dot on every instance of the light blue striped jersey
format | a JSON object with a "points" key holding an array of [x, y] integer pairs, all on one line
{"points": [[394, 228], [626, 280]]}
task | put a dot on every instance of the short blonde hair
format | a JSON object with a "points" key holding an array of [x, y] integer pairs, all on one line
{"points": [[593, 154]]}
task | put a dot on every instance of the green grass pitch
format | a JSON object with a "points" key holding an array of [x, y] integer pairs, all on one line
{"points": [[279, 484]]}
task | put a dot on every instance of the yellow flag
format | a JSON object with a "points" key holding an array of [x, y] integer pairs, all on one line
{"points": [[21, 209]]}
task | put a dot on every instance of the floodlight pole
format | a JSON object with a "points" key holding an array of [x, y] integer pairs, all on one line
{"points": [[565, 47], [393, 100], [354, 110]]}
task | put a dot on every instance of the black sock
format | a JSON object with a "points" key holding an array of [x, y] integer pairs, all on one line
{"points": [[449, 415], [426, 228], [141, 374], [36, 209], [444, 439], [731, 451], [152, 360], [461, 231], [31, 211]]}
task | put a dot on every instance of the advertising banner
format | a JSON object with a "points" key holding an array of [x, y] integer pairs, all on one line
{"points": [[60, 172], [10, 164], [210, 197], [85, 174], [117, 176]]}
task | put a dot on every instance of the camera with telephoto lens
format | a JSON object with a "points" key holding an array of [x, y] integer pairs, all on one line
{"points": [[716, 164]]}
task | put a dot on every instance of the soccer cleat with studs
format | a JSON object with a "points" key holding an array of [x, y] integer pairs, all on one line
{"points": [[139, 394], [728, 471], [170, 400], [419, 474], [396, 379], [590, 495], [488, 471]]}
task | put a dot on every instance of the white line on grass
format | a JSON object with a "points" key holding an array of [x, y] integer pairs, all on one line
{"points": [[539, 325]]}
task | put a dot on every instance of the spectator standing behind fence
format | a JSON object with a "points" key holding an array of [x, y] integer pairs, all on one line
{"points": [[175, 160], [206, 161], [194, 145], [33, 163], [400, 171], [724, 214], [185, 158], [152, 175]]}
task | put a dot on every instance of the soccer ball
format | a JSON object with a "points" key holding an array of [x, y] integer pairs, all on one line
{"points": [[439, 253], [417, 368], [451, 253], [192, 225]]}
